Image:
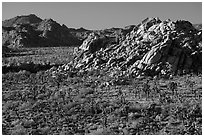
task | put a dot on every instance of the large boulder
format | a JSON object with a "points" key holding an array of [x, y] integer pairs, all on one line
{"points": [[151, 57], [95, 42]]}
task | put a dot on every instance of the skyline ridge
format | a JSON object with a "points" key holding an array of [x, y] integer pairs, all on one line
{"points": [[101, 15], [82, 27]]}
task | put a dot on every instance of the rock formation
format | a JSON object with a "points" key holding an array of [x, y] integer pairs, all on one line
{"points": [[31, 31], [150, 48]]}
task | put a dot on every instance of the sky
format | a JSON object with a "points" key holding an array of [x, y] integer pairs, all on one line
{"points": [[101, 15]]}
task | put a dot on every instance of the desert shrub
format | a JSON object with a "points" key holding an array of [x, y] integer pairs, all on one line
{"points": [[34, 104]]}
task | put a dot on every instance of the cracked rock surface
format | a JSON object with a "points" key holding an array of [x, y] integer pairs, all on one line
{"points": [[150, 48]]}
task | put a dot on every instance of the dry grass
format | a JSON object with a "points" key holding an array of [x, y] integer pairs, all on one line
{"points": [[80, 105]]}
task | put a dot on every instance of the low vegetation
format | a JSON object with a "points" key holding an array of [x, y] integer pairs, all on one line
{"points": [[35, 59], [45, 103], [105, 90]]}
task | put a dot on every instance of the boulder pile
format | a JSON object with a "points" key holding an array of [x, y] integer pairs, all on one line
{"points": [[153, 47]]}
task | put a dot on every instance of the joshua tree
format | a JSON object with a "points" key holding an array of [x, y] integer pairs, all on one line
{"points": [[191, 86], [156, 88], [146, 88], [173, 87]]}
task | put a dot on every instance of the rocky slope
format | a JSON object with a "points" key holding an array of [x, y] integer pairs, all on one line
{"points": [[25, 19], [31, 31], [150, 48]]}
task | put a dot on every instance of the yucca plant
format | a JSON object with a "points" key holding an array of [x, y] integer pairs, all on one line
{"points": [[104, 118], [122, 97], [191, 86], [156, 88], [146, 89], [173, 86]]}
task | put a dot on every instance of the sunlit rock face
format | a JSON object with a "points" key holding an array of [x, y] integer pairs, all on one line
{"points": [[152, 47]]}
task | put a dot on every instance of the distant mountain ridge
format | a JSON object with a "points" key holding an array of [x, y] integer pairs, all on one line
{"points": [[32, 31], [25, 19]]}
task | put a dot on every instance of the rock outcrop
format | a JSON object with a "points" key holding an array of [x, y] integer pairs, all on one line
{"points": [[150, 48], [31, 31]]}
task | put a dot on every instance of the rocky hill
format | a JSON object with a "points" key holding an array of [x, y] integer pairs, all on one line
{"points": [[150, 48], [153, 47], [31, 31], [25, 19]]}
